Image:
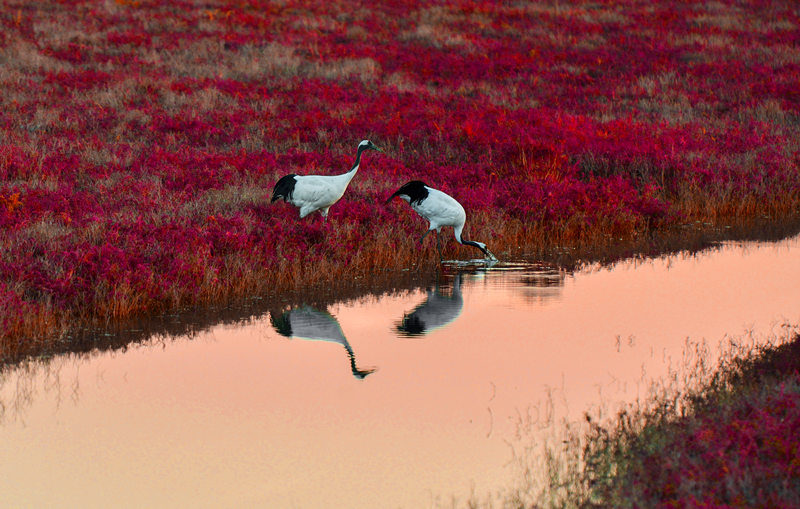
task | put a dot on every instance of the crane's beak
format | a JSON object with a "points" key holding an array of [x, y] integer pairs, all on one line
{"points": [[391, 197]]}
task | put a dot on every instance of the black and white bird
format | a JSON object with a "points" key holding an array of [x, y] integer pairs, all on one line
{"points": [[440, 209], [311, 193]]}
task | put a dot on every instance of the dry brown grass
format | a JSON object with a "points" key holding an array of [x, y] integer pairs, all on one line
{"points": [[42, 329], [384, 256], [210, 59], [20, 58]]}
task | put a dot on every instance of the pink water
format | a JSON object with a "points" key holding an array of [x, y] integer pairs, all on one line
{"points": [[242, 416]]}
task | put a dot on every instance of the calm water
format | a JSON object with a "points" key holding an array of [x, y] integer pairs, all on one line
{"points": [[403, 400]]}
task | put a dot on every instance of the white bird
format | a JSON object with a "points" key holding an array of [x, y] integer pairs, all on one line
{"points": [[317, 192], [440, 209]]}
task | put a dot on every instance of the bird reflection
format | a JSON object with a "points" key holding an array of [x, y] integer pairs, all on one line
{"points": [[306, 322], [438, 309], [542, 285]]}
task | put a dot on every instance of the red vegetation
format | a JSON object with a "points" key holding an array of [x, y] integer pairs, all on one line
{"points": [[139, 140], [735, 444]]}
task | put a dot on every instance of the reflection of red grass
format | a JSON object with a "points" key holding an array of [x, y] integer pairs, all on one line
{"points": [[140, 140]]}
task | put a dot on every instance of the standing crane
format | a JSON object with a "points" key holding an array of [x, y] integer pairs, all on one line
{"points": [[440, 209], [311, 193]]}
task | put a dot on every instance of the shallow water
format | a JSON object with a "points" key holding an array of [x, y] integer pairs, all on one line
{"points": [[402, 400]]}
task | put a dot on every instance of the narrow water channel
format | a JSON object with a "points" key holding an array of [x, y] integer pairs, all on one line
{"points": [[403, 400]]}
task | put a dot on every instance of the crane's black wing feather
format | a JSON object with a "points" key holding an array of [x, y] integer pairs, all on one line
{"points": [[284, 188], [416, 190]]}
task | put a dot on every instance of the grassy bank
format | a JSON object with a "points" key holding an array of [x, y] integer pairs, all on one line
{"points": [[140, 140], [729, 441]]}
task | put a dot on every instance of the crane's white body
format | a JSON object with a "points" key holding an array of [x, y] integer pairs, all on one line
{"points": [[319, 192], [440, 209], [311, 193]]}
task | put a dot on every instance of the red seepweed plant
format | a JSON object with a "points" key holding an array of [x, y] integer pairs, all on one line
{"points": [[139, 140]]}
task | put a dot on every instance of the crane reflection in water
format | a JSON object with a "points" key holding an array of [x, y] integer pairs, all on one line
{"points": [[541, 284], [538, 284], [305, 322], [440, 307]]}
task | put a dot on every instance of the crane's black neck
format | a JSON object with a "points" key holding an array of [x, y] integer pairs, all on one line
{"points": [[361, 148], [474, 244]]}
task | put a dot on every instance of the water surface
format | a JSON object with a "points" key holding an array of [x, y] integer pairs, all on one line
{"points": [[403, 400]]}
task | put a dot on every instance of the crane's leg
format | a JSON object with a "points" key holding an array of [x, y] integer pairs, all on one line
{"points": [[439, 245], [423, 237]]}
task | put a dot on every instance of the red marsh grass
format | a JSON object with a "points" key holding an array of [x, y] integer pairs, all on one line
{"points": [[139, 141]]}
